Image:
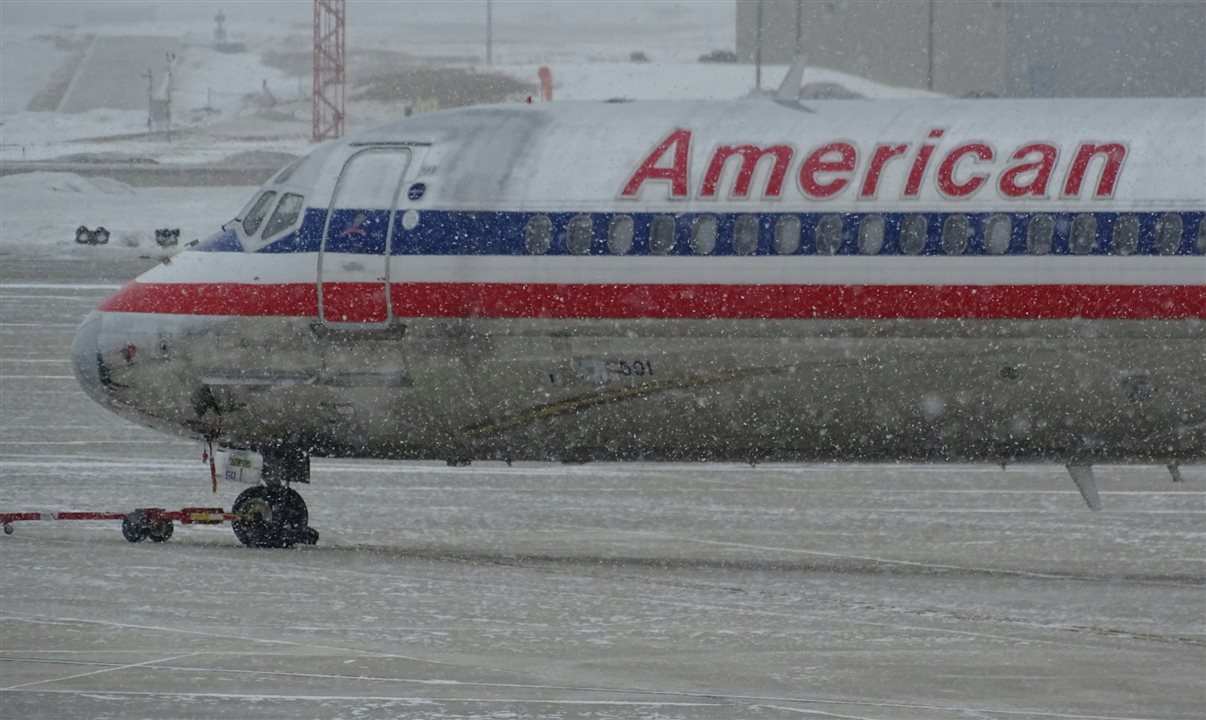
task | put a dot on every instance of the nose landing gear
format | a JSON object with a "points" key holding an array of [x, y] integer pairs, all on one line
{"points": [[272, 517], [272, 514]]}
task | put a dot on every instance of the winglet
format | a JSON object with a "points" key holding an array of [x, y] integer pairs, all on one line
{"points": [[789, 89]]}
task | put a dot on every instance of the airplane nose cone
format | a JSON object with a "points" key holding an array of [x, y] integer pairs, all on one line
{"points": [[85, 358]]}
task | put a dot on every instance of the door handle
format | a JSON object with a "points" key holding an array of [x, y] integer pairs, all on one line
{"points": [[353, 266]]}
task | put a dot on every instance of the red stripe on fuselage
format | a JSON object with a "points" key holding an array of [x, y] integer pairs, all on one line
{"points": [[291, 299], [625, 301]]}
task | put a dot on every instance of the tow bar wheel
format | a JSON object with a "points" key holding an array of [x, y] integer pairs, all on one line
{"points": [[139, 525], [161, 531], [136, 526]]}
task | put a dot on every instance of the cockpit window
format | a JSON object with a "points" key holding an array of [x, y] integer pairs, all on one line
{"points": [[255, 216], [287, 212]]}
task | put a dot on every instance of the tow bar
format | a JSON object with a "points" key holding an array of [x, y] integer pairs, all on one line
{"points": [[154, 523]]}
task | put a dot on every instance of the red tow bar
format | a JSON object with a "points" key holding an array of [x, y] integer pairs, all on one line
{"points": [[154, 523]]}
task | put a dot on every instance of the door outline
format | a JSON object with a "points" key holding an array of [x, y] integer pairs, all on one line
{"points": [[401, 149]]}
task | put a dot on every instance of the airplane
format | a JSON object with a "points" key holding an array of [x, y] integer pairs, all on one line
{"points": [[915, 280]]}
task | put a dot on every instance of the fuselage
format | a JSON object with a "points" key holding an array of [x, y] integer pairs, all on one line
{"points": [[849, 280]]}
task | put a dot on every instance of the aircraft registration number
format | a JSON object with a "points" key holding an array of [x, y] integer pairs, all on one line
{"points": [[602, 370]]}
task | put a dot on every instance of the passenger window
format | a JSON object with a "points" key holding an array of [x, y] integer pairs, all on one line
{"points": [[703, 235], [787, 235], [912, 235], [829, 234], [287, 212], [661, 235], [997, 234], [1039, 234], [577, 236], [1168, 233], [255, 216], [955, 233], [1126, 235], [745, 235], [619, 235], [1084, 234], [537, 236], [913, 232], [871, 235], [1202, 236]]}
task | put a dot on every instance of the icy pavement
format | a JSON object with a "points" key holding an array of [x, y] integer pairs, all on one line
{"points": [[610, 591]]}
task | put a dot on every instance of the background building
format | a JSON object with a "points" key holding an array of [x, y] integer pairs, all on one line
{"points": [[1017, 48]]}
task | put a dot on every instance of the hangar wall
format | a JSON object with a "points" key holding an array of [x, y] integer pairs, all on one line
{"points": [[1013, 48]]}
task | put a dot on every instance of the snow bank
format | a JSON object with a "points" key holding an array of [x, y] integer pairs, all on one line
{"points": [[61, 182], [224, 83], [35, 131], [649, 81], [39, 213]]}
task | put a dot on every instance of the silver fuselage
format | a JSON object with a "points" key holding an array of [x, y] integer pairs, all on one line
{"points": [[757, 390]]}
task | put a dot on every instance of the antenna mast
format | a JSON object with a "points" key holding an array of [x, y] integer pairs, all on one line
{"points": [[329, 72]]}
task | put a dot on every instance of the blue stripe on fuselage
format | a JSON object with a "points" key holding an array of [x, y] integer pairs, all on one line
{"points": [[441, 232]]}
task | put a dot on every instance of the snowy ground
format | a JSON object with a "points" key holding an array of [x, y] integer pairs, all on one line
{"points": [[39, 214]]}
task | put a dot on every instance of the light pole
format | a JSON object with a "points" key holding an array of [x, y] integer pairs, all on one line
{"points": [[489, 32], [758, 48], [150, 97], [929, 53], [799, 26], [167, 95]]}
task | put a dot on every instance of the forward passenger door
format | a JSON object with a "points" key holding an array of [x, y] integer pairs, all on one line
{"points": [[353, 265]]}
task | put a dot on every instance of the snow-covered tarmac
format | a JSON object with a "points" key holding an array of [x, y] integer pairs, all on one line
{"points": [[610, 591]]}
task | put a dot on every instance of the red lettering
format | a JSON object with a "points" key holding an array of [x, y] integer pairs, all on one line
{"points": [[883, 153], [750, 156], [917, 174], [1009, 183], [816, 163], [1114, 154], [680, 140], [946, 171]]}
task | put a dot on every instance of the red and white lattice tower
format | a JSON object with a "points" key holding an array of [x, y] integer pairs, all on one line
{"points": [[329, 75]]}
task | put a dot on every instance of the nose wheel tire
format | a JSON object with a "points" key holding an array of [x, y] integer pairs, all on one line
{"points": [[272, 517]]}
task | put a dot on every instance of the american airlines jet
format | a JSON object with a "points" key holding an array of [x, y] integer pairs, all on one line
{"points": [[918, 280]]}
